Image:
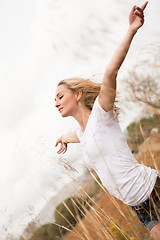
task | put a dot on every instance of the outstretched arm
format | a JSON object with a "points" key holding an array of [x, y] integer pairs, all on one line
{"points": [[108, 88], [70, 137]]}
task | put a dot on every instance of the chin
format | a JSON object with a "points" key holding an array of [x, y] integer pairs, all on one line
{"points": [[64, 115]]}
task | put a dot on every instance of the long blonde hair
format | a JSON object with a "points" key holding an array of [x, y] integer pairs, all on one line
{"points": [[90, 90]]}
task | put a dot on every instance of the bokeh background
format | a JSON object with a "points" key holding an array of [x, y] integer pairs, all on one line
{"points": [[42, 42]]}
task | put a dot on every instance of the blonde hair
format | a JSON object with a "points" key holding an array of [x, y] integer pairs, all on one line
{"points": [[90, 90]]}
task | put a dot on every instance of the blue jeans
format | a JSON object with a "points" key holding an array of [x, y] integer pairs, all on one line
{"points": [[148, 212]]}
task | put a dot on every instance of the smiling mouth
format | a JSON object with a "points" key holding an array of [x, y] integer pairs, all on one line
{"points": [[60, 109]]}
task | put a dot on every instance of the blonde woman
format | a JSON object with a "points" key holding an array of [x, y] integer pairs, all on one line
{"points": [[104, 146]]}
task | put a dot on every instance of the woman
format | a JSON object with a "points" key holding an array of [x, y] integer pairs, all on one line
{"points": [[104, 146]]}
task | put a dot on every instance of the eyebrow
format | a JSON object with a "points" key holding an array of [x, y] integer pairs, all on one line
{"points": [[58, 95]]}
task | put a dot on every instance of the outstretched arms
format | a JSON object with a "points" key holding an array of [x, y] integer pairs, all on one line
{"points": [[70, 137], [108, 89]]}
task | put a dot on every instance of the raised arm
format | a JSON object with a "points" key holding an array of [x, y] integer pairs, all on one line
{"points": [[70, 137], [108, 89]]}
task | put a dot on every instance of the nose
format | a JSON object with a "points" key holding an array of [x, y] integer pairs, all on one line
{"points": [[57, 104]]}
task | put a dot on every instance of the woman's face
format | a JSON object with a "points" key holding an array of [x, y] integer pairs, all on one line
{"points": [[66, 101]]}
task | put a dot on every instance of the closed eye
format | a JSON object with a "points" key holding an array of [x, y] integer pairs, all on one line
{"points": [[60, 97]]}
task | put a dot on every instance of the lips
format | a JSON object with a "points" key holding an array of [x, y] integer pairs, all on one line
{"points": [[60, 109]]}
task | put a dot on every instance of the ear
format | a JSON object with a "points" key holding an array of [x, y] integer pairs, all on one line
{"points": [[78, 95]]}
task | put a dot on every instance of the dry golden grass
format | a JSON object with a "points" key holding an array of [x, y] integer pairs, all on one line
{"points": [[109, 218]]}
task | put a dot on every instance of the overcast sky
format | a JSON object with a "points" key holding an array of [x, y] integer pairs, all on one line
{"points": [[42, 42]]}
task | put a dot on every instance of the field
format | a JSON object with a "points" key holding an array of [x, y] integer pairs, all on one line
{"points": [[110, 218]]}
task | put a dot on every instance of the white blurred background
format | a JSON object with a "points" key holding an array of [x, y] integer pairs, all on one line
{"points": [[42, 42]]}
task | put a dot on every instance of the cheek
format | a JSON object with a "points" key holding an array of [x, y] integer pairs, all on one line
{"points": [[70, 101]]}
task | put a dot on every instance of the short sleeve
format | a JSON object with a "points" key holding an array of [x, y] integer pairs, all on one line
{"points": [[101, 113]]}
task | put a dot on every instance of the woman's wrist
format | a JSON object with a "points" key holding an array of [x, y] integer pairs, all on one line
{"points": [[64, 138], [132, 31]]}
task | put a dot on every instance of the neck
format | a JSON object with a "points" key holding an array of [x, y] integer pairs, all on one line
{"points": [[82, 116]]}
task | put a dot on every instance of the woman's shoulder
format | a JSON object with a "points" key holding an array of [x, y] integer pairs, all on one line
{"points": [[98, 111]]}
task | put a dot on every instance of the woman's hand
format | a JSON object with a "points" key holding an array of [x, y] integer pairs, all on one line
{"points": [[63, 145], [136, 17]]}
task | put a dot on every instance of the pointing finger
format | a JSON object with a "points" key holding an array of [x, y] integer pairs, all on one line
{"points": [[144, 5]]}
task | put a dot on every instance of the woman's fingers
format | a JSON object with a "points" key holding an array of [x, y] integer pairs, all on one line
{"points": [[63, 148], [63, 145], [133, 9], [57, 142], [139, 9], [144, 5], [136, 17], [60, 151], [139, 14]]}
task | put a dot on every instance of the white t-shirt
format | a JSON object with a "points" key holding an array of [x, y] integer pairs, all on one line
{"points": [[106, 151]]}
